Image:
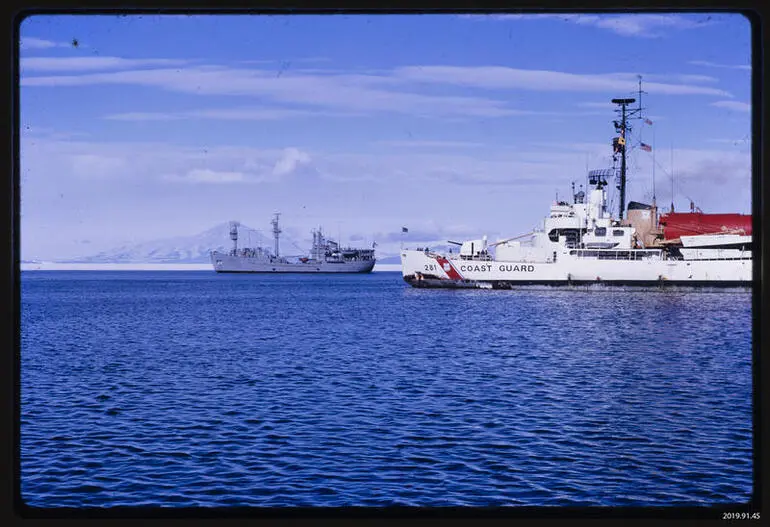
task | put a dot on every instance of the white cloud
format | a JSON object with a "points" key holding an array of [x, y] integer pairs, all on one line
{"points": [[89, 165], [696, 169], [225, 114], [47, 158], [351, 93], [250, 62], [90, 63], [697, 78], [291, 159], [685, 79], [39, 43], [744, 141], [607, 105], [429, 231], [144, 116], [356, 94], [540, 163], [205, 175], [500, 77], [733, 105], [633, 25], [715, 65], [498, 167], [253, 114], [639, 25], [429, 144], [313, 59], [50, 133]]}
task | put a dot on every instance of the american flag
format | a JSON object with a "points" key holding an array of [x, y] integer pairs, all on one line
{"points": [[647, 121], [645, 147], [404, 229]]}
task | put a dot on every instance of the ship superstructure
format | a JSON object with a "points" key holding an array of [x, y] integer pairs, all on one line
{"points": [[580, 242], [325, 256]]}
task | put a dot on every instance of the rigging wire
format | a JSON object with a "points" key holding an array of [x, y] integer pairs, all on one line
{"points": [[669, 174], [260, 242]]}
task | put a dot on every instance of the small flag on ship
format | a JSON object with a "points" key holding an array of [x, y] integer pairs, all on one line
{"points": [[404, 229], [645, 147], [647, 121]]}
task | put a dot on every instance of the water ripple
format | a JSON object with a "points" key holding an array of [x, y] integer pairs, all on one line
{"points": [[191, 389]]}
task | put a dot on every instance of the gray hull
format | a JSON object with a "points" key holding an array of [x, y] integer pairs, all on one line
{"points": [[225, 263]]}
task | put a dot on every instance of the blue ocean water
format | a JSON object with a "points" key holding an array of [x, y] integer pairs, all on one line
{"points": [[195, 389]]}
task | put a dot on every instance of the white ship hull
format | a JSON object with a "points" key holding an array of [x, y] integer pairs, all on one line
{"points": [[225, 263], [422, 269]]}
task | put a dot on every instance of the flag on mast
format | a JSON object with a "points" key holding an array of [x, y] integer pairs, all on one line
{"points": [[645, 147], [404, 229], [647, 121]]}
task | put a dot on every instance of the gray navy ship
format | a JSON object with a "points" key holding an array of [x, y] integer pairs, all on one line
{"points": [[326, 256]]}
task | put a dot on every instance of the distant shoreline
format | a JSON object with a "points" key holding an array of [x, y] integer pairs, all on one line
{"points": [[53, 266]]}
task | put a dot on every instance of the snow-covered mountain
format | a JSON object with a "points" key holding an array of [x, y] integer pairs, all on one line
{"points": [[180, 249], [196, 248]]}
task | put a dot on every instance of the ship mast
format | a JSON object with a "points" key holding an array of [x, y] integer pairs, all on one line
{"points": [[234, 236], [619, 143], [620, 146], [276, 231]]}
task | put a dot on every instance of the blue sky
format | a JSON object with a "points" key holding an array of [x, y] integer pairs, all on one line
{"points": [[455, 126]]}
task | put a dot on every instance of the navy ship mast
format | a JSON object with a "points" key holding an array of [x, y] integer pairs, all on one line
{"points": [[234, 236], [276, 231]]}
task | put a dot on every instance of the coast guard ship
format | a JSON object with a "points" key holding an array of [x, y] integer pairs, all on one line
{"points": [[581, 243]]}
